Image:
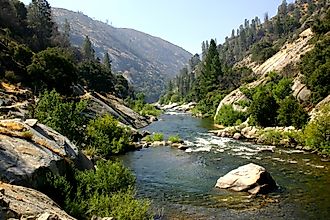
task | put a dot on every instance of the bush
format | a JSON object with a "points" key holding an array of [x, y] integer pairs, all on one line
{"points": [[64, 117], [52, 69], [263, 109], [121, 205], [149, 109], [291, 113], [282, 89], [154, 137], [261, 51], [105, 135], [158, 137], [315, 66], [174, 139], [227, 116], [106, 192], [317, 132]]}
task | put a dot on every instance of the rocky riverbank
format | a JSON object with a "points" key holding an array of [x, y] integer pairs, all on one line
{"points": [[275, 136]]}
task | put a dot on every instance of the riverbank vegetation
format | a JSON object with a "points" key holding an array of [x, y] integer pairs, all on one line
{"points": [[269, 101], [140, 106], [34, 54]]}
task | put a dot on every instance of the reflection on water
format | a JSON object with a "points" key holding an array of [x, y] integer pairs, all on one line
{"points": [[181, 184]]}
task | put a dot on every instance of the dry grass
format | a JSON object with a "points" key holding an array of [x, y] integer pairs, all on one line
{"points": [[12, 125]]}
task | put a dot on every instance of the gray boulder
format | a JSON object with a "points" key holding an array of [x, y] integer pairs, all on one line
{"points": [[28, 152], [250, 178], [17, 202]]}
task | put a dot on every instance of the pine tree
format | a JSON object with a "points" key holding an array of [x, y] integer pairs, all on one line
{"points": [[40, 20], [88, 50], [211, 70], [107, 61]]}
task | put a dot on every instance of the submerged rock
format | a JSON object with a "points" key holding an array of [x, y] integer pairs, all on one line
{"points": [[250, 178]]}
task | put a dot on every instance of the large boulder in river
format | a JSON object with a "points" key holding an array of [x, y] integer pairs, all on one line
{"points": [[28, 150], [17, 202], [250, 178]]}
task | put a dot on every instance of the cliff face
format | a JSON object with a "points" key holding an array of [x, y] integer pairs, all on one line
{"points": [[289, 55], [146, 61]]}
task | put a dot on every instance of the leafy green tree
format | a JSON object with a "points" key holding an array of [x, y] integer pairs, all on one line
{"points": [[107, 137], [282, 89], [64, 117], [227, 116], [290, 113], [52, 69], [39, 17], [315, 66], [317, 132], [261, 51], [95, 76], [263, 109]]}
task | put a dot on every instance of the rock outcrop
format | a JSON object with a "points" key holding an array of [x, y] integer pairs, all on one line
{"points": [[14, 101], [28, 150], [289, 54], [250, 178], [17, 202], [109, 104]]}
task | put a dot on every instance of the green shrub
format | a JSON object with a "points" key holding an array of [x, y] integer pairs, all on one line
{"points": [[290, 113], [175, 98], [282, 89], [154, 137], [105, 135], [107, 191], [317, 131], [315, 65], [121, 205], [158, 137], [262, 50], [263, 109], [148, 138], [227, 116], [52, 69], [174, 139], [64, 117], [149, 109], [109, 177]]}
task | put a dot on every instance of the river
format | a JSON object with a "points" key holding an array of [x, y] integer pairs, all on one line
{"points": [[181, 184]]}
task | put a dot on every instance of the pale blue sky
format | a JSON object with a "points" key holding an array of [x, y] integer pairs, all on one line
{"points": [[185, 23]]}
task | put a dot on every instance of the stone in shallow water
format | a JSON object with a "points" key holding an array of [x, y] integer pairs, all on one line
{"points": [[250, 178]]}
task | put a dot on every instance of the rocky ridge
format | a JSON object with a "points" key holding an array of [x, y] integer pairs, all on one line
{"points": [[146, 61], [289, 54]]}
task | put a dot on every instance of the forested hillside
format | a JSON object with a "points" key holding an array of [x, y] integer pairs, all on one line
{"points": [[260, 71], [53, 94], [146, 61]]}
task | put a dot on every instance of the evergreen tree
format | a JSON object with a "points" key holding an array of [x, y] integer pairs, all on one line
{"points": [[88, 49], [66, 32], [40, 20], [107, 61], [211, 69]]}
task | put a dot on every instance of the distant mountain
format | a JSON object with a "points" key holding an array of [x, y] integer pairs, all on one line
{"points": [[146, 61]]}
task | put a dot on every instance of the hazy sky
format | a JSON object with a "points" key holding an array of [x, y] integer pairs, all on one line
{"points": [[185, 23]]}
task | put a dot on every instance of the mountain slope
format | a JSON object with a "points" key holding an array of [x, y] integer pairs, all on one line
{"points": [[146, 61]]}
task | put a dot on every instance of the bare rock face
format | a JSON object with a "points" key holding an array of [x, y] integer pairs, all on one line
{"points": [[250, 178], [109, 104], [29, 149], [17, 202]]}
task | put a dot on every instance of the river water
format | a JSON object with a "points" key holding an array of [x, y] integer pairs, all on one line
{"points": [[180, 184]]}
